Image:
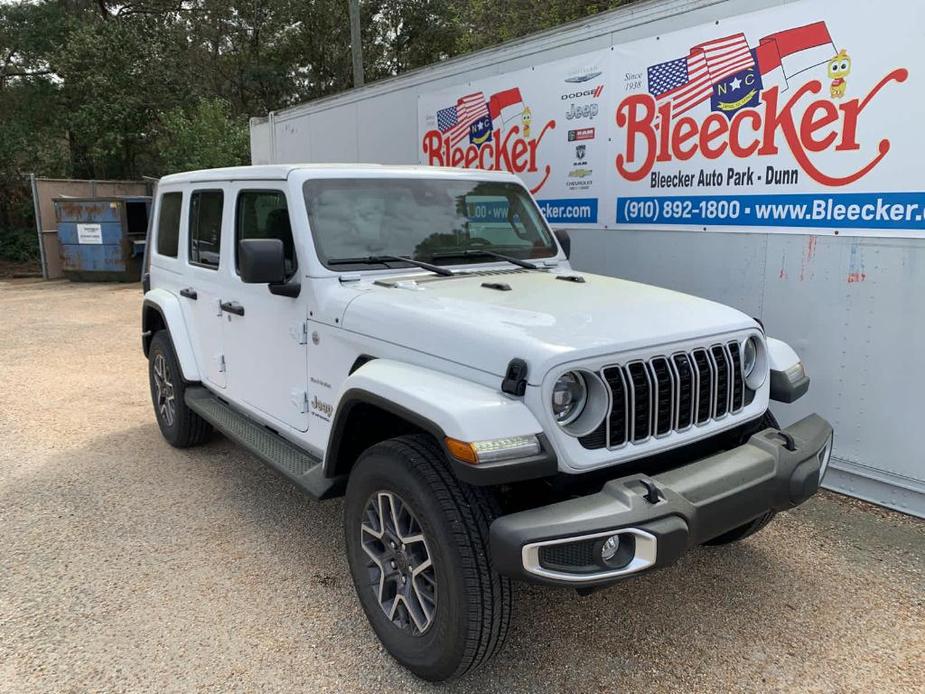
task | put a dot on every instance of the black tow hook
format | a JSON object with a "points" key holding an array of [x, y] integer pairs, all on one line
{"points": [[789, 443], [652, 494]]}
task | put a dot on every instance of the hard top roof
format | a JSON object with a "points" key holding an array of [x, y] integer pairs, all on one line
{"points": [[281, 172]]}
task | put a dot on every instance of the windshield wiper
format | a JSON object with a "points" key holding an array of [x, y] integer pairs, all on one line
{"points": [[383, 259], [490, 254]]}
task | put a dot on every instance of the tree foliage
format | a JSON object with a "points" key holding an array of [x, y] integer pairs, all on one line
{"points": [[125, 88], [203, 137]]}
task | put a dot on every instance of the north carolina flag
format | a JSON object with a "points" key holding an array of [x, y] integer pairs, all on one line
{"points": [[787, 53], [506, 105]]}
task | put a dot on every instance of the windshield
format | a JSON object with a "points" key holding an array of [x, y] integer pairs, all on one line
{"points": [[444, 221]]}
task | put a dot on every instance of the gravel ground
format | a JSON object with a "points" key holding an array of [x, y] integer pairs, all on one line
{"points": [[126, 565]]}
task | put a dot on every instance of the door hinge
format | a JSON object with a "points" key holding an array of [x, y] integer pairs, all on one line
{"points": [[299, 400], [299, 332], [221, 363]]}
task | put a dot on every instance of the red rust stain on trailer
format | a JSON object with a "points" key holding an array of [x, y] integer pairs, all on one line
{"points": [[808, 254], [856, 277]]}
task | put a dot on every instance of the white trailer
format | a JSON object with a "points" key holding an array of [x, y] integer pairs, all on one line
{"points": [[845, 288]]}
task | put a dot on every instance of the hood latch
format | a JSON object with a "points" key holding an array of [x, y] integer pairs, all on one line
{"points": [[515, 380]]}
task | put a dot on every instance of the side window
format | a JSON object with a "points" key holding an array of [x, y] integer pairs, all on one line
{"points": [[205, 227], [264, 214], [168, 224]]}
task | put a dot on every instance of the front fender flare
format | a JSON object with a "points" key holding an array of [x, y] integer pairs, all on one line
{"points": [[444, 405], [168, 306]]}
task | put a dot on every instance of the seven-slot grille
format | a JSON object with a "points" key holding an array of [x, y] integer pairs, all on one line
{"points": [[670, 392]]}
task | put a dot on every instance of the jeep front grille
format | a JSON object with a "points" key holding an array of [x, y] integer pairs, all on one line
{"points": [[670, 393]]}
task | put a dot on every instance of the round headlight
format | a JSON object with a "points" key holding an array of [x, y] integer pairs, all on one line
{"points": [[569, 396], [749, 355]]}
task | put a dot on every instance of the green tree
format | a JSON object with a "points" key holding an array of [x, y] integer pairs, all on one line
{"points": [[484, 23], [117, 76], [124, 88], [405, 34], [202, 137]]}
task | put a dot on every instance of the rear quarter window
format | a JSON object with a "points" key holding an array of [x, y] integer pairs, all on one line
{"points": [[168, 224], [205, 228]]}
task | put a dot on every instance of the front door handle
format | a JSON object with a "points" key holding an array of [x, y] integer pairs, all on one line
{"points": [[189, 293], [232, 307]]}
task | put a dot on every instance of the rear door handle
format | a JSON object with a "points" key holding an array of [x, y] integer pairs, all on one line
{"points": [[189, 293], [232, 307]]}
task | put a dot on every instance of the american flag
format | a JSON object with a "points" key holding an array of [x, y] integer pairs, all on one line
{"points": [[686, 82], [454, 121]]}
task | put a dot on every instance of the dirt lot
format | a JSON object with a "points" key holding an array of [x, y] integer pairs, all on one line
{"points": [[126, 565]]}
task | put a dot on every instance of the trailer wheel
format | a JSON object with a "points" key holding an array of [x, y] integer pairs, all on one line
{"points": [[417, 545]]}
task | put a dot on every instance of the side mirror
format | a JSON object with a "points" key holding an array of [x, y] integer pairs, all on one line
{"points": [[261, 261]]}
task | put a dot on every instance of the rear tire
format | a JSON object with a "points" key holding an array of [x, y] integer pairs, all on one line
{"points": [[457, 610], [178, 423], [752, 527]]}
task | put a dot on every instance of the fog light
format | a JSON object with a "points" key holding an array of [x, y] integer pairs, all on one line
{"points": [[610, 548], [616, 551]]}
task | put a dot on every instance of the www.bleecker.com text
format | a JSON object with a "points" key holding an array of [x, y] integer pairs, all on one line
{"points": [[730, 177]]}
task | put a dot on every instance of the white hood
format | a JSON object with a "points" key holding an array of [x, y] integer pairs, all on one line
{"points": [[541, 319]]}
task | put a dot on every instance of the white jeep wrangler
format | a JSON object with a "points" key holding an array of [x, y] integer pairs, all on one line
{"points": [[414, 339]]}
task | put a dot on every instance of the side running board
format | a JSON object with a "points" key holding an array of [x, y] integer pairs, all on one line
{"points": [[300, 467]]}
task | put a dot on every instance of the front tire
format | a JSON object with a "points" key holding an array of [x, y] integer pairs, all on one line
{"points": [[178, 423], [417, 545]]}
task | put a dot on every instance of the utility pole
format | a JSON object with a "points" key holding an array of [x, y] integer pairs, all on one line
{"points": [[356, 43]]}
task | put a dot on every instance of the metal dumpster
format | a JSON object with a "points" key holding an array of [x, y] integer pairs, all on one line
{"points": [[102, 239]]}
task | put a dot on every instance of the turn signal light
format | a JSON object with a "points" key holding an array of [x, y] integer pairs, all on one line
{"points": [[462, 451], [493, 450]]}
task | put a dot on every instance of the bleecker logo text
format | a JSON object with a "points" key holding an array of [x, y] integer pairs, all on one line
{"points": [[656, 135], [507, 151]]}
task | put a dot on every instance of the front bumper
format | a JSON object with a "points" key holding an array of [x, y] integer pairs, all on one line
{"points": [[659, 517]]}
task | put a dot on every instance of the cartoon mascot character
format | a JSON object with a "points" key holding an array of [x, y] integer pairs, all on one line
{"points": [[526, 118], [839, 69]]}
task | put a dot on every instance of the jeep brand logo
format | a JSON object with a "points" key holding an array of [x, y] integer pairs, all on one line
{"points": [[593, 93], [583, 111], [322, 407], [581, 134]]}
